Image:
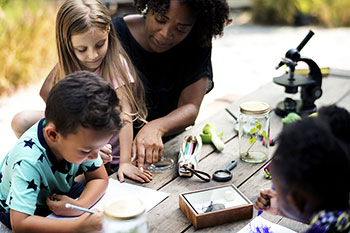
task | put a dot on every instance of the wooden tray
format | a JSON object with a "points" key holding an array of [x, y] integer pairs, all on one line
{"points": [[215, 206]]}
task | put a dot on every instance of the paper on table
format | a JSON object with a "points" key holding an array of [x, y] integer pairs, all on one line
{"points": [[117, 190], [260, 224]]}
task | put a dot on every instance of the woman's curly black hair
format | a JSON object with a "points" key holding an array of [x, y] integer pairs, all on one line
{"points": [[212, 16]]}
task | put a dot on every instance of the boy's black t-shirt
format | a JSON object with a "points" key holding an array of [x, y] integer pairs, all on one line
{"points": [[165, 75]]}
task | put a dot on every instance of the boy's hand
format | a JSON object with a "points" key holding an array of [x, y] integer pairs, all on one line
{"points": [[106, 153], [267, 202], [134, 173], [57, 204], [90, 222]]}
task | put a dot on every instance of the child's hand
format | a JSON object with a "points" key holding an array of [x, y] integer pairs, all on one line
{"points": [[106, 153], [90, 222], [267, 201], [134, 173], [57, 204]]}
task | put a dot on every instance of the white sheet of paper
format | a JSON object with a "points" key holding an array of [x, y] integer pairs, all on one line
{"points": [[260, 224], [117, 190]]}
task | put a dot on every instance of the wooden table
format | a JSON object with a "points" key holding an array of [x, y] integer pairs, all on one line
{"points": [[249, 178]]}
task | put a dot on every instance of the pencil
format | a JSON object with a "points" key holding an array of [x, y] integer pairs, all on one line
{"points": [[74, 207]]}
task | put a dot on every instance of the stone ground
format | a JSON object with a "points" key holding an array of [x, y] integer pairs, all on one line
{"points": [[243, 59]]}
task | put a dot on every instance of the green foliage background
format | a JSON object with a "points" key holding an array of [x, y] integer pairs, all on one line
{"points": [[330, 13], [27, 42], [27, 32]]}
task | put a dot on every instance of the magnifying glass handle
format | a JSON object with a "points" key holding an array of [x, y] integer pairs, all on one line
{"points": [[231, 165]]}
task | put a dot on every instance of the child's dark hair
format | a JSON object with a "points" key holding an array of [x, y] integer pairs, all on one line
{"points": [[83, 99], [310, 158], [339, 120], [211, 16]]}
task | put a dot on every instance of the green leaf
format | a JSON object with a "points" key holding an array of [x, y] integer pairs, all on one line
{"points": [[253, 130], [207, 127], [221, 134], [252, 139], [206, 138], [264, 135], [258, 125]]}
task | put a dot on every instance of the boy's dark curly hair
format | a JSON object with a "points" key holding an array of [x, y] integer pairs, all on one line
{"points": [[310, 157], [83, 99], [212, 16]]}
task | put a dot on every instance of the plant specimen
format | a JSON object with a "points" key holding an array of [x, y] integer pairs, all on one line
{"points": [[254, 134]]}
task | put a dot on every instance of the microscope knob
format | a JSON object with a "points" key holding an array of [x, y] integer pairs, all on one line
{"points": [[317, 92]]}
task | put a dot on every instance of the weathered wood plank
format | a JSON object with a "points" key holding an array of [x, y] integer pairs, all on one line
{"points": [[339, 73], [294, 225], [161, 178], [251, 190], [167, 217], [210, 164], [333, 90], [169, 209]]}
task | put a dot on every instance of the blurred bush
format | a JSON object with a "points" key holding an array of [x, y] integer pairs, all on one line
{"points": [[274, 11], [334, 13], [27, 42], [330, 13]]}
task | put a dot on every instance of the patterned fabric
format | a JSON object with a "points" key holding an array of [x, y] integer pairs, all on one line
{"points": [[332, 221], [75, 192], [29, 173]]}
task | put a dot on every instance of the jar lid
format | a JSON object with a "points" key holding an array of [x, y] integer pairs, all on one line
{"points": [[254, 107], [123, 209]]}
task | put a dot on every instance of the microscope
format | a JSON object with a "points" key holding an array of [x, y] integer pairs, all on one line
{"points": [[310, 85]]}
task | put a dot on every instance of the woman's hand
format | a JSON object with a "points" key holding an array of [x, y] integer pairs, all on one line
{"points": [[131, 171], [148, 145]]}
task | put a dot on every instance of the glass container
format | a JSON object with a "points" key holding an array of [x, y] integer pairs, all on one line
{"points": [[254, 131], [124, 215]]}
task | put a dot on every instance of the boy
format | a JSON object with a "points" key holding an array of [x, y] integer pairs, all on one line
{"points": [[80, 118]]}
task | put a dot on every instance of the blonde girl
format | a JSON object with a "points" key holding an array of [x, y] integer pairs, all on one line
{"points": [[86, 40]]}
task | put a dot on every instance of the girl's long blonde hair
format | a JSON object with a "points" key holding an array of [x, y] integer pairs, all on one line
{"points": [[79, 16]]}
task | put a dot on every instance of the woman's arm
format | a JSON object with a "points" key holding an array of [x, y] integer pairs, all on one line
{"points": [[148, 144]]}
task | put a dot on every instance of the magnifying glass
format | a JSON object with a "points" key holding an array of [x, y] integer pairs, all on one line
{"points": [[225, 174]]}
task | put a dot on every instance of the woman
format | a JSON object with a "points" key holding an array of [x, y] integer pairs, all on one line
{"points": [[169, 43]]}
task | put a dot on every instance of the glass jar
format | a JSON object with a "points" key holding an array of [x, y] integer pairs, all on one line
{"points": [[254, 131], [124, 215]]}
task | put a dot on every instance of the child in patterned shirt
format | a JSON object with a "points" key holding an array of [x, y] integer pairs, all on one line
{"points": [[311, 172], [38, 174]]}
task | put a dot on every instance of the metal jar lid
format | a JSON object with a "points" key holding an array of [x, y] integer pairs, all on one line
{"points": [[254, 108], [123, 209]]}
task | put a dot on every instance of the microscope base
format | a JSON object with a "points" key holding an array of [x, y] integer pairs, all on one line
{"points": [[284, 107]]}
